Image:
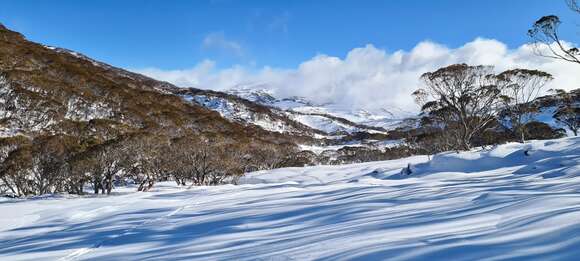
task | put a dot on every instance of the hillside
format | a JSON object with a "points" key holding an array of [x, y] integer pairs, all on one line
{"points": [[334, 127], [483, 204], [48, 90], [247, 112], [289, 115], [330, 118], [322, 131], [54, 91]]}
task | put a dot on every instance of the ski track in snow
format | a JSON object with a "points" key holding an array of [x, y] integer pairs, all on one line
{"points": [[494, 204]]}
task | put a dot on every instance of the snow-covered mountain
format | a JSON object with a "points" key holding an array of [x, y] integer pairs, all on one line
{"points": [[49, 91], [289, 115], [493, 204], [329, 117], [340, 126], [321, 124], [246, 112]]}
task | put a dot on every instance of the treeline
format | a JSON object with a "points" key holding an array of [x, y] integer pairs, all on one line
{"points": [[66, 164]]}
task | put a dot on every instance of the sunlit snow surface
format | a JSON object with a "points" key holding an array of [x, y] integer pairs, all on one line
{"points": [[491, 204]]}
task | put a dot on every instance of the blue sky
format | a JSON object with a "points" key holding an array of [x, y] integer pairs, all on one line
{"points": [[180, 34]]}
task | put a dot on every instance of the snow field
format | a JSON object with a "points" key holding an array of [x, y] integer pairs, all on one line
{"points": [[484, 204]]}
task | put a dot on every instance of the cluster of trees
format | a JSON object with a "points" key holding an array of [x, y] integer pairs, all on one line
{"points": [[465, 102], [471, 104], [359, 154], [548, 43], [60, 163]]}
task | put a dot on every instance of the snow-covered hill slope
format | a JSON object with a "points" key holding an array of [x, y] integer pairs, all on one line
{"points": [[246, 112], [259, 108], [485, 204], [328, 117]]}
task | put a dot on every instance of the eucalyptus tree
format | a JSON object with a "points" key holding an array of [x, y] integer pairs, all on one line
{"points": [[547, 41], [568, 110], [464, 98], [520, 87]]}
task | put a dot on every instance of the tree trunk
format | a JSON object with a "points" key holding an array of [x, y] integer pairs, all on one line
{"points": [[521, 130], [151, 183], [96, 186], [142, 185], [109, 184]]}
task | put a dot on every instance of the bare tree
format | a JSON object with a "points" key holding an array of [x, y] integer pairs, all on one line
{"points": [[180, 169], [468, 95], [519, 88], [203, 161], [237, 160]]}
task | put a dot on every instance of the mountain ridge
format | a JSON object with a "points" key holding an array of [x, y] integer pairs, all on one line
{"points": [[45, 87]]}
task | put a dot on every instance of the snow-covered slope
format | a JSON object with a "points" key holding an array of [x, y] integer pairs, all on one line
{"points": [[241, 113], [546, 115], [493, 204], [383, 118], [245, 112], [291, 115], [330, 118]]}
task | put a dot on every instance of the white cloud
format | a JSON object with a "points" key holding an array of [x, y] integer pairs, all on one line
{"points": [[217, 40], [369, 77]]}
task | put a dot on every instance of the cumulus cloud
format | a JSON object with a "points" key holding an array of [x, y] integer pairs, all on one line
{"points": [[369, 77], [217, 40]]}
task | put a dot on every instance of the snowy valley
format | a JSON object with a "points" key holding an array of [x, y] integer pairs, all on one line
{"points": [[494, 203], [289, 130]]}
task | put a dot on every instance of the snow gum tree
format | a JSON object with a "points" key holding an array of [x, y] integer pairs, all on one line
{"points": [[100, 163], [463, 98], [149, 161], [519, 88], [14, 166], [568, 111], [546, 38], [464, 101]]}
